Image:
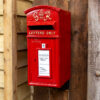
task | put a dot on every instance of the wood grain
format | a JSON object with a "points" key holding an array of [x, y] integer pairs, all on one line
{"points": [[66, 95], [24, 92], [63, 4], [21, 75], [27, 0], [32, 91], [21, 42], [41, 93], [1, 25], [21, 24], [1, 94], [58, 94], [94, 50], [40, 2], [1, 61], [10, 50], [1, 7], [2, 79], [22, 59], [1, 43], [22, 6], [79, 49]]}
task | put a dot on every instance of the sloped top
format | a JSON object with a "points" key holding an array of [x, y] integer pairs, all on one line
{"points": [[42, 7]]}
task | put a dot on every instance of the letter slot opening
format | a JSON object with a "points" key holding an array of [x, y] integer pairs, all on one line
{"points": [[41, 27]]}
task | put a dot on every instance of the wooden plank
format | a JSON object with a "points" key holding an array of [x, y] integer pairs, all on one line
{"points": [[21, 42], [66, 95], [41, 93], [50, 93], [94, 50], [22, 75], [79, 44], [1, 94], [21, 25], [22, 6], [24, 92], [59, 94], [59, 3], [27, 98], [1, 25], [10, 50], [1, 7], [22, 59], [28, 0], [1, 61], [2, 79], [32, 92], [1, 43], [40, 2]]}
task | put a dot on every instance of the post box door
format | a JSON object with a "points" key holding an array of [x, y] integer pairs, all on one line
{"points": [[42, 60]]}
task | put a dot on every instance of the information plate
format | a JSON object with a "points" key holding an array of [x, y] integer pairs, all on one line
{"points": [[43, 63]]}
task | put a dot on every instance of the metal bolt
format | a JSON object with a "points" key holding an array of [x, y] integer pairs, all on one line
{"points": [[97, 73]]}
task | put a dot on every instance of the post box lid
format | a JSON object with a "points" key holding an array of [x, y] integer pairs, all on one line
{"points": [[43, 7]]}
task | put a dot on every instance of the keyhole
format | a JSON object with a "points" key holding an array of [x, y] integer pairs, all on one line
{"points": [[35, 60]]}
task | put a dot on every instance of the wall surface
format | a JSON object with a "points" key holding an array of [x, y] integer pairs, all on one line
{"points": [[1, 52], [79, 45], [94, 50], [23, 91], [18, 73]]}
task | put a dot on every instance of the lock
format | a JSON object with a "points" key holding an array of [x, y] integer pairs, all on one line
{"points": [[43, 45], [49, 44]]}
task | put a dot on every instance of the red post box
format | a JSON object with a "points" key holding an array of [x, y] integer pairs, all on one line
{"points": [[49, 46]]}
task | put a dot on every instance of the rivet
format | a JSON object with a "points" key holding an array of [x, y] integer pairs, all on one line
{"points": [[97, 73]]}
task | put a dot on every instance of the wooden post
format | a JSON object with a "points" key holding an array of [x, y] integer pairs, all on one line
{"points": [[41, 93], [45, 93], [94, 50], [58, 94], [78, 82], [10, 51]]}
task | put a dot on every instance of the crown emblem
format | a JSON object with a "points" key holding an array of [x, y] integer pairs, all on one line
{"points": [[41, 14]]}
